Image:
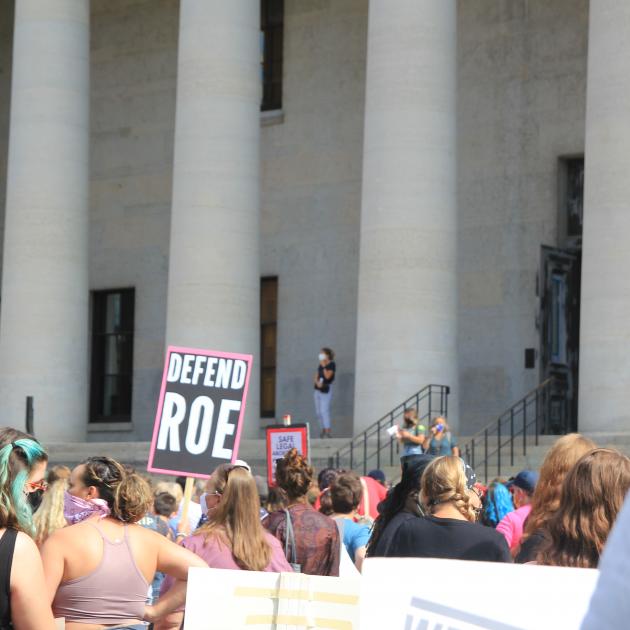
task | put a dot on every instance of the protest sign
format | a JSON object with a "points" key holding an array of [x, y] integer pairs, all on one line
{"points": [[269, 601], [282, 438], [200, 411], [463, 595]]}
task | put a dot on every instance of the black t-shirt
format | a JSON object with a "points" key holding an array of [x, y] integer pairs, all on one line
{"points": [[529, 548], [388, 536], [432, 537], [325, 388]]}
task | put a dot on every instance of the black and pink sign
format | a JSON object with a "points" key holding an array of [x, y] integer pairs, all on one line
{"points": [[200, 411]]}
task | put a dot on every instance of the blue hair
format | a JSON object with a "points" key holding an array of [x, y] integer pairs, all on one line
{"points": [[12, 497], [498, 503]]}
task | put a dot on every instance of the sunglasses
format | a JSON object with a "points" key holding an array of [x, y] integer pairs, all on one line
{"points": [[37, 485]]}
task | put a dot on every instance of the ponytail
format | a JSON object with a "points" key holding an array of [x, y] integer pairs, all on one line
{"points": [[127, 494], [132, 499]]}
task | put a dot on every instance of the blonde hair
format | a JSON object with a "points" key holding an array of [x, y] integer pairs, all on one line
{"points": [[171, 487], [49, 516], [236, 520], [444, 481], [562, 456]]}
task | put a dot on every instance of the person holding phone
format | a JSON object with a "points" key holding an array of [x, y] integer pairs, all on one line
{"points": [[441, 440], [323, 381]]}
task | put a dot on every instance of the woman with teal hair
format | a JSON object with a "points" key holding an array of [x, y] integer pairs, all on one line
{"points": [[497, 504], [22, 470]]}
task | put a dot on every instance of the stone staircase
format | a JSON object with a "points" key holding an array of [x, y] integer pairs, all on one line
{"points": [[254, 452]]}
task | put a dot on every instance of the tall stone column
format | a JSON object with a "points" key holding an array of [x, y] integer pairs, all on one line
{"points": [[44, 308], [407, 303], [604, 391], [214, 278]]}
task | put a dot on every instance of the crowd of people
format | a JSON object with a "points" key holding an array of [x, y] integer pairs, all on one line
{"points": [[102, 546]]}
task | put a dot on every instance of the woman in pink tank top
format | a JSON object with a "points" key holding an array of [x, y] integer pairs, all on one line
{"points": [[99, 569]]}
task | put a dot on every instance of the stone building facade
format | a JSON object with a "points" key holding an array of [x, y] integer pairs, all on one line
{"points": [[414, 201]]}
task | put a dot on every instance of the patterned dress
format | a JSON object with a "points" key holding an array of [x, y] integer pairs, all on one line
{"points": [[316, 538]]}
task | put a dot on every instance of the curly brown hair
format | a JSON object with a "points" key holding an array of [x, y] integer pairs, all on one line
{"points": [[592, 495], [127, 494], [294, 475]]}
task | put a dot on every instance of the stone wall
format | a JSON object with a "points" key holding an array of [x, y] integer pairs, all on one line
{"points": [[311, 201], [6, 45], [522, 97], [521, 105], [134, 70]]}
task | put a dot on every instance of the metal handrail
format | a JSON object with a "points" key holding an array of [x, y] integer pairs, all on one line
{"points": [[432, 398], [527, 417]]}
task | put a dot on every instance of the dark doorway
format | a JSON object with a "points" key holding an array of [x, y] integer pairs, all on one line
{"points": [[560, 335]]}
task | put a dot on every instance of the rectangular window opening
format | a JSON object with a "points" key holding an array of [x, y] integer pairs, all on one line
{"points": [[268, 345], [112, 355], [271, 44], [571, 202]]}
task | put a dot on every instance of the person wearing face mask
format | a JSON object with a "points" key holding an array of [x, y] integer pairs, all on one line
{"points": [[105, 551], [232, 537], [23, 464], [323, 381]]}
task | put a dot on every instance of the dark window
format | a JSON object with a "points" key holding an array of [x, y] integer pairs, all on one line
{"points": [[271, 27], [571, 201], [268, 345], [112, 355]]}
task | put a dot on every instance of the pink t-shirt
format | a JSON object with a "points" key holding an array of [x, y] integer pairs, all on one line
{"points": [[511, 525], [219, 556]]}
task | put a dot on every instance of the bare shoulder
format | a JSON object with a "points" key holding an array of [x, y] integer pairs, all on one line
{"points": [[145, 535], [71, 532], [25, 546]]}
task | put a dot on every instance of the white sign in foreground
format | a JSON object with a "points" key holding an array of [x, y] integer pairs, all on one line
{"points": [[427, 594], [224, 600]]}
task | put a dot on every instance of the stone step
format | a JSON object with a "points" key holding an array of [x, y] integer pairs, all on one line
{"points": [[254, 452], [136, 454]]}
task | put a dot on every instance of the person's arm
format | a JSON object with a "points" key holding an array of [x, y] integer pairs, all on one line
{"points": [[175, 560], [506, 528], [333, 555], [359, 555], [173, 599], [416, 439], [170, 622], [30, 609], [54, 563], [454, 447], [328, 374]]}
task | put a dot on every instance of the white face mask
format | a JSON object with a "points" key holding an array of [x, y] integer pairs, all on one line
{"points": [[321, 356]]}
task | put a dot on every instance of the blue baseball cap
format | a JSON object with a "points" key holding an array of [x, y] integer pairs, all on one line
{"points": [[525, 480]]}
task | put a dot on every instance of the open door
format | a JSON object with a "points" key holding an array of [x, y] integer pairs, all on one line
{"points": [[560, 335]]}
